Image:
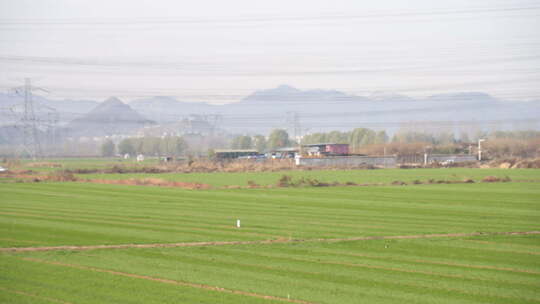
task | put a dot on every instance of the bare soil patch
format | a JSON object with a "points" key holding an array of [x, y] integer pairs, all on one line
{"points": [[148, 182]]}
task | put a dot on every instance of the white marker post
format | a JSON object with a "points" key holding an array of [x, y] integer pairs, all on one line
{"points": [[237, 223]]}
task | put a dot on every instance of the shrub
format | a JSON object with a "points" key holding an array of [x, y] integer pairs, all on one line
{"points": [[284, 181], [61, 176], [253, 184]]}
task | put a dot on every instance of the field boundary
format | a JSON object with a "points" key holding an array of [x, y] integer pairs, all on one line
{"points": [[258, 242]]}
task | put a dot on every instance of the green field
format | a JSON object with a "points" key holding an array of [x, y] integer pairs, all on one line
{"points": [[220, 179], [315, 258], [80, 163]]}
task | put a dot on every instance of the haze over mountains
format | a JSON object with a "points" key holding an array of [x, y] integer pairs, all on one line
{"points": [[108, 118], [316, 110], [331, 109]]}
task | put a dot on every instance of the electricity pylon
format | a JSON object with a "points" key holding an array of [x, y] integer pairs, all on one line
{"points": [[29, 122]]}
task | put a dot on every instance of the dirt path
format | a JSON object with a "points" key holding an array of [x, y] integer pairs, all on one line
{"points": [[172, 282], [276, 241]]}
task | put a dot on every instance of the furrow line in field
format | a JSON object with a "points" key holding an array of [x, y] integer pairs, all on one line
{"points": [[130, 224], [172, 282], [274, 241], [34, 295], [432, 262]]}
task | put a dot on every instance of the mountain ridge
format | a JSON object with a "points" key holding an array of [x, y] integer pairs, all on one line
{"points": [[110, 117], [320, 109]]}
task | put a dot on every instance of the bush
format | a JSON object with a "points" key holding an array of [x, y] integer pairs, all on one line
{"points": [[61, 176], [284, 181], [253, 184]]}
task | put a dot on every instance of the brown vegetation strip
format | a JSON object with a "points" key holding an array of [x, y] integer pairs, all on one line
{"points": [[172, 282], [34, 296], [276, 241], [285, 181]]}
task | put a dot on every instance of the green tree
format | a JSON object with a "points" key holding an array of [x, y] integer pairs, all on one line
{"points": [[314, 138], [126, 147], [356, 138], [259, 143], [241, 142], [445, 138], [464, 137], [151, 146], [381, 137], [278, 138], [179, 146], [108, 148], [337, 137], [165, 145], [138, 143]]}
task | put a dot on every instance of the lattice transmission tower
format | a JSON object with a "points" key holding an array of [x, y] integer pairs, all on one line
{"points": [[31, 125]]}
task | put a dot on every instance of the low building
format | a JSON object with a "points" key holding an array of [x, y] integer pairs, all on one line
{"points": [[325, 149], [348, 161], [233, 154], [289, 152], [446, 159]]}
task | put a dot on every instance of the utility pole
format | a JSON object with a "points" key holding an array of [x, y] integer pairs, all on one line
{"points": [[480, 148]]}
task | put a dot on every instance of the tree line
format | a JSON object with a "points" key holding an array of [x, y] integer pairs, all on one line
{"points": [[278, 138], [156, 146], [363, 137], [359, 140]]}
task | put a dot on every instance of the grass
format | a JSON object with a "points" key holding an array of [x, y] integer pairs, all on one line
{"points": [[506, 270], [24, 281], [82, 214], [480, 269], [342, 176], [79, 163]]}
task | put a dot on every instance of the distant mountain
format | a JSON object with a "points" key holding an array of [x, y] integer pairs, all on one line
{"points": [[167, 109], [463, 97], [287, 93], [68, 109], [317, 110], [323, 110], [65, 105], [109, 118], [385, 97]]}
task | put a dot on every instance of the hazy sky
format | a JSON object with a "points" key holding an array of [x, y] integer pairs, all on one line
{"points": [[221, 50]]}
